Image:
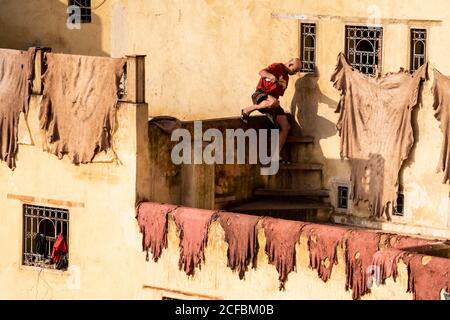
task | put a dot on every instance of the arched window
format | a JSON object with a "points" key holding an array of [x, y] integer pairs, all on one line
{"points": [[308, 47], [41, 228], [418, 48]]}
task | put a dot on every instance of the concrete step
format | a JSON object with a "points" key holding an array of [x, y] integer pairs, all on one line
{"points": [[292, 192], [267, 205], [301, 140], [222, 201], [302, 166]]}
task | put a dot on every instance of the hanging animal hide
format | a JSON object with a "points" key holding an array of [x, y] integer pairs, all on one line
{"points": [[441, 106], [281, 238], [16, 75], [359, 250], [375, 130], [78, 110], [241, 236], [386, 263], [399, 248], [323, 242], [193, 225], [428, 276], [152, 220]]}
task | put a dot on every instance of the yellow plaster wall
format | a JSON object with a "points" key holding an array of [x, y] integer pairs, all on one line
{"points": [[43, 23], [217, 47], [203, 59], [105, 253], [101, 216]]}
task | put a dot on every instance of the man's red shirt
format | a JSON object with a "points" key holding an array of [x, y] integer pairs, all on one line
{"points": [[275, 89]]}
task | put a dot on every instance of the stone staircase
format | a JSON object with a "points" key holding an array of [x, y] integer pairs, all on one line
{"points": [[296, 192]]}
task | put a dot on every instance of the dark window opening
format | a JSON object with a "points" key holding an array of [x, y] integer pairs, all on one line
{"points": [[45, 234], [123, 84], [342, 197], [363, 48], [308, 47], [418, 48], [85, 9], [399, 208]]}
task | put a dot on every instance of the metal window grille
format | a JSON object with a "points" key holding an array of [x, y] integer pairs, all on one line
{"points": [[85, 9], [418, 48], [47, 223], [308, 47], [363, 48], [399, 208], [342, 197]]}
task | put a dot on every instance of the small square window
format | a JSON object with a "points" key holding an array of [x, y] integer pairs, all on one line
{"points": [[85, 9], [342, 197], [45, 234], [363, 48], [308, 47], [418, 48]]}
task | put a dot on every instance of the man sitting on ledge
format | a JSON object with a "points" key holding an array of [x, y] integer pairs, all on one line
{"points": [[273, 83]]}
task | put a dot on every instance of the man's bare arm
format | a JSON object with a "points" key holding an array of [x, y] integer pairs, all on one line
{"points": [[264, 74]]}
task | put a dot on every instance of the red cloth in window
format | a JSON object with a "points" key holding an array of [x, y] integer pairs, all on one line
{"points": [[275, 89], [60, 247]]}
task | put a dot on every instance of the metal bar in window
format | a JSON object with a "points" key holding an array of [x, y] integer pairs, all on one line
{"points": [[418, 48], [31, 235], [50, 222], [308, 46], [342, 197], [380, 43], [85, 9]]}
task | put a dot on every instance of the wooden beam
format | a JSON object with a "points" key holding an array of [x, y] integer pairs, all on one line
{"points": [[41, 201]]}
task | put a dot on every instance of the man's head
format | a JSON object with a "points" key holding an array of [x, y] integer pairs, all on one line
{"points": [[294, 65]]}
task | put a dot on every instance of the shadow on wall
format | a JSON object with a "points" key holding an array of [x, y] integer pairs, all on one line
{"points": [[26, 23], [305, 106]]}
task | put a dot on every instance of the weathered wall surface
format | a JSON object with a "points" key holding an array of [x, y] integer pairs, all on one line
{"points": [[215, 47], [101, 200], [43, 23], [203, 59], [201, 185]]}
